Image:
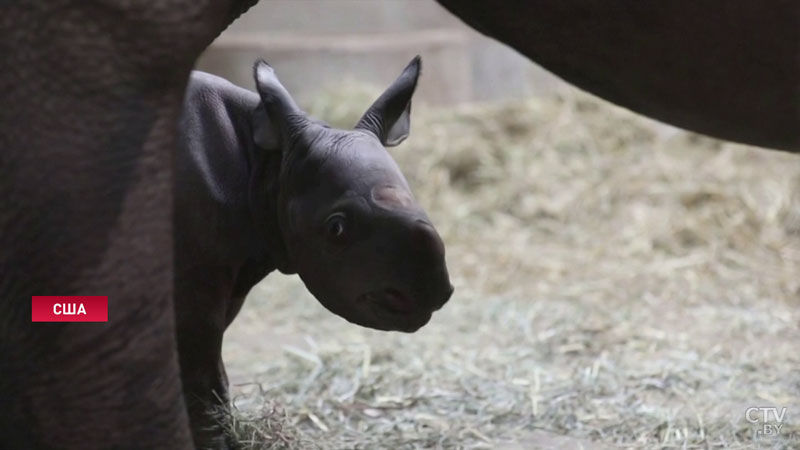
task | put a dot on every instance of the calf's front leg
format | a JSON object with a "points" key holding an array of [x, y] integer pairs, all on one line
{"points": [[201, 322]]}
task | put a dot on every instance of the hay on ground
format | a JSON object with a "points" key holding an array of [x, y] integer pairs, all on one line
{"points": [[619, 284]]}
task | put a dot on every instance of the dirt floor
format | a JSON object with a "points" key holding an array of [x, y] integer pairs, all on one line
{"points": [[619, 284]]}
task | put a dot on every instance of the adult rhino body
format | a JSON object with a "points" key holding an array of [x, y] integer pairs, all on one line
{"points": [[90, 95], [726, 69], [261, 187]]}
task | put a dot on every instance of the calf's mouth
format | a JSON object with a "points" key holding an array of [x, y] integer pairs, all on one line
{"points": [[391, 300]]}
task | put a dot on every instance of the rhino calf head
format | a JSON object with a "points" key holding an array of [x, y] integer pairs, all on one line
{"points": [[350, 225]]}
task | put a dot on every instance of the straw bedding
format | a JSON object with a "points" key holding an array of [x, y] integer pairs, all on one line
{"points": [[619, 284]]}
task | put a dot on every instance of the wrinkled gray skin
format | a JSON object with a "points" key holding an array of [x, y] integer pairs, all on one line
{"points": [[90, 93], [729, 69], [263, 187]]}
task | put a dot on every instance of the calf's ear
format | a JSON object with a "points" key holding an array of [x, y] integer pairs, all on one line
{"points": [[265, 133], [389, 118], [277, 117]]}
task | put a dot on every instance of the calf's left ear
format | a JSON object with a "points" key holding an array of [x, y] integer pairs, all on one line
{"points": [[389, 118], [277, 117], [265, 133]]}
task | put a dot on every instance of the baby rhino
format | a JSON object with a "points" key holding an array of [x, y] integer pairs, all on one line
{"points": [[261, 186]]}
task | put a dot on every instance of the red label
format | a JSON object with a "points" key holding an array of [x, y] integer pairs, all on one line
{"points": [[65, 308]]}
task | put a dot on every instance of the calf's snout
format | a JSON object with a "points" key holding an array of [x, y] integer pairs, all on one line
{"points": [[425, 240], [443, 297], [427, 251]]}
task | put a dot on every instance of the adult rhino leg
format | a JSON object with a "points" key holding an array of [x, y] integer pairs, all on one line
{"points": [[90, 95]]}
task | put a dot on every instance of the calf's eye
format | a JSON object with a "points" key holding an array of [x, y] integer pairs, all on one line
{"points": [[336, 228]]}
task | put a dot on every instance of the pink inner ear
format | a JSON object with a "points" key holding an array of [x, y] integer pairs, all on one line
{"points": [[391, 197]]}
